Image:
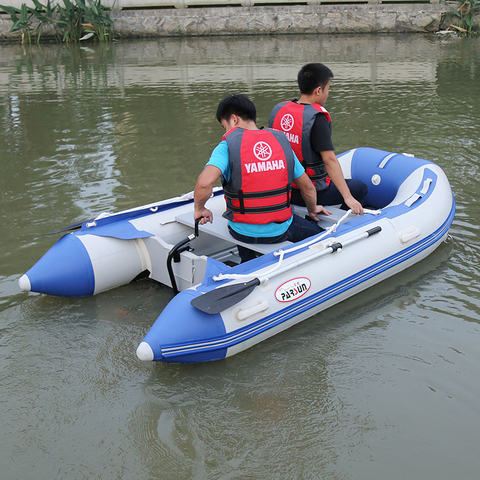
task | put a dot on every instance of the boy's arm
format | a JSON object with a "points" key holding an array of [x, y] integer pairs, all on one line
{"points": [[309, 195], [203, 191], [332, 165]]}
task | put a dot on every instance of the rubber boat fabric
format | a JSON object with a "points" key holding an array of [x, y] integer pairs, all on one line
{"points": [[248, 303]]}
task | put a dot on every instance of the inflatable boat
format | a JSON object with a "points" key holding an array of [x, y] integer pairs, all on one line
{"points": [[221, 306]]}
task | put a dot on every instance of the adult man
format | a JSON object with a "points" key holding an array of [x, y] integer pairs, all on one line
{"points": [[308, 127], [257, 167]]}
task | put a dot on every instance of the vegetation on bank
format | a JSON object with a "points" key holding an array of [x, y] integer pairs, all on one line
{"points": [[75, 21], [80, 20], [464, 14]]}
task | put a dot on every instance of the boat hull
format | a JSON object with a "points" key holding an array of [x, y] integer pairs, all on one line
{"points": [[187, 343], [419, 210], [414, 208]]}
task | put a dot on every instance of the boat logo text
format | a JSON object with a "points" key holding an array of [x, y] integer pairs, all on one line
{"points": [[293, 289]]}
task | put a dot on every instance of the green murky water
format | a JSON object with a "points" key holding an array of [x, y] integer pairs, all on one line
{"points": [[383, 386]]}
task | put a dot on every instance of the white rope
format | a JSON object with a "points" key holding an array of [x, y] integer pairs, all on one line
{"points": [[281, 253]]}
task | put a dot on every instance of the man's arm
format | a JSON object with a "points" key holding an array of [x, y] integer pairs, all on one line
{"points": [[332, 165], [203, 190], [309, 195]]}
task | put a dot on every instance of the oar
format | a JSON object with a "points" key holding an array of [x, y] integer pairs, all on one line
{"points": [[218, 300], [222, 298], [72, 227], [134, 212]]}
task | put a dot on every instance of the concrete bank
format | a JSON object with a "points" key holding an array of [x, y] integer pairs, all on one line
{"points": [[289, 19], [282, 19]]}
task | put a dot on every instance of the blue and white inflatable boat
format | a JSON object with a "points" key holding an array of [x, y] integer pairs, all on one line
{"points": [[224, 307]]}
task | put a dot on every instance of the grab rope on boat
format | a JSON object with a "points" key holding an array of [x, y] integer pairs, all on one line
{"points": [[281, 253]]}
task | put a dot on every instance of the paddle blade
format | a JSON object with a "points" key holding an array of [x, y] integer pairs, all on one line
{"points": [[75, 226], [222, 298]]}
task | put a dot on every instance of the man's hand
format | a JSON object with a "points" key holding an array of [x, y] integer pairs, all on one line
{"points": [[205, 215], [318, 209], [354, 205]]}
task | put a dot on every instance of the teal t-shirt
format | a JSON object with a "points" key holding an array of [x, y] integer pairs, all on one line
{"points": [[220, 159]]}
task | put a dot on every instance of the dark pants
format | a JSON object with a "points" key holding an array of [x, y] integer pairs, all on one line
{"points": [[300, 229], [331, 195]]}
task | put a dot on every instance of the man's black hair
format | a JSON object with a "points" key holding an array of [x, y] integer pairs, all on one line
{"points": [[312, 76], [236, 105]]}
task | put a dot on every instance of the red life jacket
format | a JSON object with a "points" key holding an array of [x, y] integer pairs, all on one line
{"points": [[262, 165], [296, 121]]}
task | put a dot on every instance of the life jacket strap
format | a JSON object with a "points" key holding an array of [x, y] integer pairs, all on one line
{"points": [[265, 194], [267, 209]]}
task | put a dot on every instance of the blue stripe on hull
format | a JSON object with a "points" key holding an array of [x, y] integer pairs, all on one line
{"points": [[200, 349]]}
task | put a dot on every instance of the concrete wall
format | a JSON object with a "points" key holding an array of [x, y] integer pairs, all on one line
{"points": [[281, 20], [278, 19], [138, 4]]}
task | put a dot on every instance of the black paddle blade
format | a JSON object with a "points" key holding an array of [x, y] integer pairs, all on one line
{"points": [[221, 298], [75, 226]]}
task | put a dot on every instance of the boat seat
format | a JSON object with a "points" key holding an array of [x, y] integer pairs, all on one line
{"points": [[219, 229], [336, 215]]}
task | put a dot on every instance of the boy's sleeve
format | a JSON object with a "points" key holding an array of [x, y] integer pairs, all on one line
{"points": [[219, 158], [321, 134]]}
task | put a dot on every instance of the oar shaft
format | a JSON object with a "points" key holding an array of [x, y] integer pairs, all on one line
{"points": [[221, 298], [125, 214], [331, 249]]}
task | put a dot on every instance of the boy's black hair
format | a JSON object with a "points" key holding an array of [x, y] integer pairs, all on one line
{"points": [[236, 105], [313, 75]]}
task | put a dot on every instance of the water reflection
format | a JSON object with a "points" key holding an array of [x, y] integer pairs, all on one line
{"points": [[352, 392], [109, 113]]}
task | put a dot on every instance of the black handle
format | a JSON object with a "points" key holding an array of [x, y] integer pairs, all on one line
{"points": [[374, 230]]}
